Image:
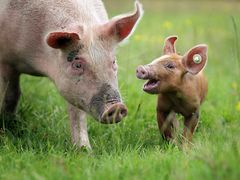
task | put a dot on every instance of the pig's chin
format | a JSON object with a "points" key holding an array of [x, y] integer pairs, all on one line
{"points": [[151, 86]]}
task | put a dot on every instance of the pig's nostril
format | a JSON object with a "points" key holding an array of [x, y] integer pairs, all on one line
{"points": [[111, 113], [123, 112], [115, 113]]}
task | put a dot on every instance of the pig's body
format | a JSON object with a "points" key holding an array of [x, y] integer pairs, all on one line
{"points": [[189, 96], [185, 101], [73, 43]]}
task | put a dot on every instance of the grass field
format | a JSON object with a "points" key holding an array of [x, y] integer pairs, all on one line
{"points": [[40, 148]]}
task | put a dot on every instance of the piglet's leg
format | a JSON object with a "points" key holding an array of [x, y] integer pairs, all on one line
{"points": [[167, 124], [190, 124], [79, 127]]}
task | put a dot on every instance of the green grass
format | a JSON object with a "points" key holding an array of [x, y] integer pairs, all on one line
{"points": [[40, 147]]}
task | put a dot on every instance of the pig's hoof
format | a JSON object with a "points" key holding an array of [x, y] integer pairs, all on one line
{"points": [[82, 147], [85, 148]]}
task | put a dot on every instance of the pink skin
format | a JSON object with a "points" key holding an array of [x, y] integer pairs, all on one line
{"points": [[180, 85], [73, 43]]}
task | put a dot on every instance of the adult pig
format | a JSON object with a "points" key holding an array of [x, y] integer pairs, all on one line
{"points": [[73, 43]]}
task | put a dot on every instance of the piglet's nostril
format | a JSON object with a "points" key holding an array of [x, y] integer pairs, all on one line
{"points": [[143, 72]]}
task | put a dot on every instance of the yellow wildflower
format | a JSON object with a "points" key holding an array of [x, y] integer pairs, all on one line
{"points": [[188, 22], [234, 85], [238, 106], [167, 25], [138, 37], [160, 40]]}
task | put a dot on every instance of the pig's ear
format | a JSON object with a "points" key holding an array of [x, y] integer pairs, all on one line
{"points": [[121, 27], [169, 46], [61, 40], [195, 59]]}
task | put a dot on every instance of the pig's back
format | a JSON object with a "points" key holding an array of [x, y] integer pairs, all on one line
{"points": [[24, 24], [55, 11]]}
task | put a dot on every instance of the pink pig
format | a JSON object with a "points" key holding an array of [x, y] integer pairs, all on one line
{"points": [[73, 43]]}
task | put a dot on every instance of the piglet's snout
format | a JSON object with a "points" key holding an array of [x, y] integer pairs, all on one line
{"points": [[142, 72], [115, 113]]}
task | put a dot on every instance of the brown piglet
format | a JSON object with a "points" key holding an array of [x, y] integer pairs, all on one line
{"points": [[180, 85]]}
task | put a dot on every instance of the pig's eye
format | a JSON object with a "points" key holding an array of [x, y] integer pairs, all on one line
{"points": [[78, 67], [169, 66]]}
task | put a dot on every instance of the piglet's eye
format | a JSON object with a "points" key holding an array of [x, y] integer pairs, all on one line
{"points": [[169, 66], [114, 65]]}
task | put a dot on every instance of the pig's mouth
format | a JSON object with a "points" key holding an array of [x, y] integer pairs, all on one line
{"points": [[151, 86]]}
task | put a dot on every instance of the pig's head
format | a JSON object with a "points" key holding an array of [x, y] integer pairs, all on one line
{"points": [[87, 68], [167, 73]]}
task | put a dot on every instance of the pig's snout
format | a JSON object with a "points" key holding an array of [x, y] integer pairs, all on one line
{"points": [[142, 72], [114, 114], [106, 106]]}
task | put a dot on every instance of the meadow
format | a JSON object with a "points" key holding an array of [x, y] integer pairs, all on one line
{"points": [[40, 145]]}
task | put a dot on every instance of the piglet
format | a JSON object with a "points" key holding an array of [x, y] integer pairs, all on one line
{"points": [[180, 85]]}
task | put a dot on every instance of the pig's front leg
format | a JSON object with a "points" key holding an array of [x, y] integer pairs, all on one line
{"points": [[9, 89], [78, 127], [190, 124]]}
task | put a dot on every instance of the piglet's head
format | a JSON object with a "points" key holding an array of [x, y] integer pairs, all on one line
{"points": [[167, 73], [86, 65]]}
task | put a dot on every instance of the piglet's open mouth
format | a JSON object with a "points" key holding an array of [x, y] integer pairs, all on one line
{"points": [[151, 86]]}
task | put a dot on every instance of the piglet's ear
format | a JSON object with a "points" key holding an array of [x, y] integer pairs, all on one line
{"points": [[61, 40], [195, 59], [169, 46], [121, 27]]}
